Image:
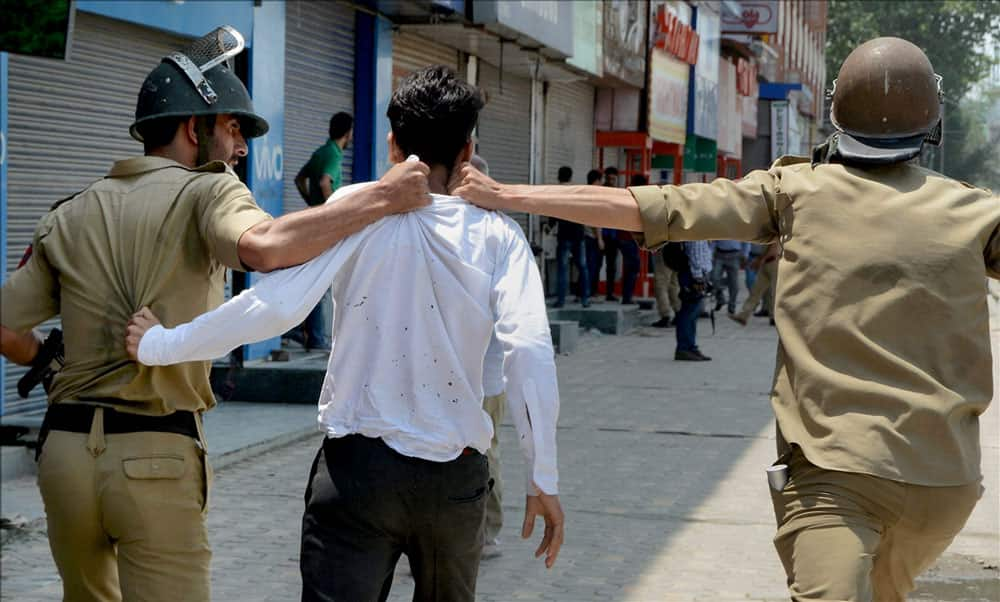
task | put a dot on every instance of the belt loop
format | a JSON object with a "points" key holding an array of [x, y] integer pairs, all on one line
{"points": [[202, 441], [95, 442]]}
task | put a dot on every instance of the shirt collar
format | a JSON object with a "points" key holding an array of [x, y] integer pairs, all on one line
{"points": [[139, 165]]}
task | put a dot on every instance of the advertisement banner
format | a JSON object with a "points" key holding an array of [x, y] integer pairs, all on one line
{"points": [[624, 41], [730, 122], [779, 128], [749, 116], [548, 22], [706, 85], [756, 17], [588, 37], [668, 95]]}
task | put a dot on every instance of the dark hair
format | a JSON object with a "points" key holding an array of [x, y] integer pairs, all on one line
{"points": [[565, 174], [639, 180], [159, 132], [340, 124], [593, 175], [433, 113], [611, 171]]}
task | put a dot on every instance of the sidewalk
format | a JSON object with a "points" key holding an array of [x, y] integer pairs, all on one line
{"points": [[661, 479]]}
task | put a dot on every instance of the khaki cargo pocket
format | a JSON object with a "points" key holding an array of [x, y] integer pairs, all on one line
{"points": [[154, 467]]}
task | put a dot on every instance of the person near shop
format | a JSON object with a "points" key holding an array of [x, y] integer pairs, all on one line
{"points": [[122, 470], [610, 238], [630, 254], [316, 182], [570, 242], [594, 242], [417, 298], [730, 256], [878, 422], [766, 268], [750, 277], [692, 260], [667, 289]]}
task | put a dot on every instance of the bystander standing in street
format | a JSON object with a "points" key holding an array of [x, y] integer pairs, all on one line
{"points": [[766, 268], [594, 242], [610, 238], [570, 242], [729, 258]]}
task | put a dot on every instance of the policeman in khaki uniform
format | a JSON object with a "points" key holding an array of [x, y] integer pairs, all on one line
{"points": [[123, 471], [878, 421]]}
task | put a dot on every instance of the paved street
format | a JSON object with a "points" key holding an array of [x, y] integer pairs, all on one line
{"points": [[661, 479]]}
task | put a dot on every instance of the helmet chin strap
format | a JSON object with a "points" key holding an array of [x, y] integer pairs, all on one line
{"points": [[204, 127]]}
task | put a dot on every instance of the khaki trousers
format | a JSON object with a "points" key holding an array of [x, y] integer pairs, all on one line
{"points": [[126, 514], [494, 406], [854, 537], [667, 289], [767, 277]]}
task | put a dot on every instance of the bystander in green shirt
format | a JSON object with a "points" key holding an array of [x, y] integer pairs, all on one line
{"points": [[325, 161]]}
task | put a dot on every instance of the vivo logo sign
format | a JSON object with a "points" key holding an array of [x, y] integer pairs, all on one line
{"points": [[268, 161]]}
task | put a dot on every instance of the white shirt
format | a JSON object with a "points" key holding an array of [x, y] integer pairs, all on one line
{"points": [[417, 298]]}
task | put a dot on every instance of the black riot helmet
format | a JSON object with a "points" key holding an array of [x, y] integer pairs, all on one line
{"points": [[199, 81]]}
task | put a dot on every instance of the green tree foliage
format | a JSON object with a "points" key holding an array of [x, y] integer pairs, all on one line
{"points": [[954, 34], [35, 27]]}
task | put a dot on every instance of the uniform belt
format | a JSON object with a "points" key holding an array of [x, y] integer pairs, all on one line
{"points": [[78, 418]]}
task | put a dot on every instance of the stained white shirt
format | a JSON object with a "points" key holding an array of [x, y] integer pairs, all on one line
{"points": [[417, 299]]}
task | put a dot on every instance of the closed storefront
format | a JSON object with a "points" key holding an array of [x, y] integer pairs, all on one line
{"points": [[411, 52], [68, 122], [319, 81], [569, 129], [505, 128]]}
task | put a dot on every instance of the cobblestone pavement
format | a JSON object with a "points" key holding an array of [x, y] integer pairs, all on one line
{"points": [[661, 479]]}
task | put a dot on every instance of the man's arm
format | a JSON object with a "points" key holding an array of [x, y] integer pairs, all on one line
{"points": [[522, 327], [741, 210], [326, 186], [277, 302], [297, 237], [18, 347]]}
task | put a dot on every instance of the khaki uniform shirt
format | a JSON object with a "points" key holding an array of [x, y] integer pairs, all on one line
{"points": [[884, 361], [155, 233]]}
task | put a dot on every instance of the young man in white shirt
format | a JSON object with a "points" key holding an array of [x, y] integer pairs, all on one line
{"points": [[417, 298]]}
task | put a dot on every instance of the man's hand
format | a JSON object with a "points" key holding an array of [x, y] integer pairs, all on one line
{"points": [[548, 506], [404, 187], [476, 187], [141, 321]]}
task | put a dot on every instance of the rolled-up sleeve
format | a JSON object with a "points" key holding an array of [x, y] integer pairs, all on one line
{"points": [[724, 209]]}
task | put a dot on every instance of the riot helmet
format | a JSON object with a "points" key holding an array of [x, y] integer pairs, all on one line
{"points": [[886, 102], [199, 81]]}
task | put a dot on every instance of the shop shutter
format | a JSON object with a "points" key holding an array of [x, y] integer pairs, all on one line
{"points": [[505, 129], [411, 52], [569, 130], [319, 81], [68, 122]]}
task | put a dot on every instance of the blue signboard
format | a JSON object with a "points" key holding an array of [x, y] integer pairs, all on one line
{"points": [[193, 19], [265, 173]]}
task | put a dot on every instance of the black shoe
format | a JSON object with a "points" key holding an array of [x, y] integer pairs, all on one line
{"points": [[719, 304], [690, 356], [704, 357], [662, 323], [610, 298], [762, 313], [772, 321], [628, 302], [585, 303], [557, 305]]}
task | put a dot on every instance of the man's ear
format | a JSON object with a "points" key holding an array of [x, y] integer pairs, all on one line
{"points": [[395, 153], [191, 130]]}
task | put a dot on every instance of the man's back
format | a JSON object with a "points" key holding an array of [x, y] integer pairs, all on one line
{"points": [[414, 310], [148, 234]]}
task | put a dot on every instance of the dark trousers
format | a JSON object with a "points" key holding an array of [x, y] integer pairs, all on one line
{"points": [[687, 317], [593, 263], [610, 263], [564, 249], [630, 267], [367, 504]]}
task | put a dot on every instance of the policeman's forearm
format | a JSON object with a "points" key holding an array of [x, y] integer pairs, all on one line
{"points": [[297, 237], [600, 206], [20, 348]]}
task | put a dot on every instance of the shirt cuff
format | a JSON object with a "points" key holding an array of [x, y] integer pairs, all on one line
{"points": [[150, 343], [654, 212], [236, 226]]}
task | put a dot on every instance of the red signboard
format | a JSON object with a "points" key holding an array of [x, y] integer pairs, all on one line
{"points": [[746, 77], [675, 36]]}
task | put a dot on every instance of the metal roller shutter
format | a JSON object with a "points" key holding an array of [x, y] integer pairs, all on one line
{"points": [[319, 81], [505, 129], [68, 122], [569, 130], [411, 52]]}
